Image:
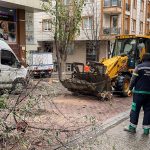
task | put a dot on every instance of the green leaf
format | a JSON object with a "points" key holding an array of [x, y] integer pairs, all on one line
{"points": [[2, 103]]}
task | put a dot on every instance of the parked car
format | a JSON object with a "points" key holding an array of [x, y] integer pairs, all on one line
{"points": [[40, 64], [13, 75]]}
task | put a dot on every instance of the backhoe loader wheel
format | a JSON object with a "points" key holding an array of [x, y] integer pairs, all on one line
{"points": [[122, 85]]}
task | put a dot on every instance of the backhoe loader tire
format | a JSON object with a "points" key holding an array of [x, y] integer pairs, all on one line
{"points": [[123, 85]]}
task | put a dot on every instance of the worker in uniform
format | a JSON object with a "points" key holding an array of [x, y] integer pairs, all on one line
{"points": [[140, 86], [87, 67]]}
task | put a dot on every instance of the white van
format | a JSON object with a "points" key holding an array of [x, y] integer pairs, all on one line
{"points": [[12, 74]]}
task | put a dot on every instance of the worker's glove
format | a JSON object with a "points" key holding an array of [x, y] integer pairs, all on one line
{"points": [[129, 93]]}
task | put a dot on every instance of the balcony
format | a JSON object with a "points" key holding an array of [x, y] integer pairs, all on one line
{"points": [[112, 6], [111, 31]]}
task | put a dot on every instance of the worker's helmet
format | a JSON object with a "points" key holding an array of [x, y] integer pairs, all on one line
{"points": [[146, 57]]}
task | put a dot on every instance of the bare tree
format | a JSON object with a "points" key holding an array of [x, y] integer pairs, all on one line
{"points": [[66, 22], [93, 30]]}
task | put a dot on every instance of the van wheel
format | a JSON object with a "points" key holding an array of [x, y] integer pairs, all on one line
{"points": [[18, 86]]}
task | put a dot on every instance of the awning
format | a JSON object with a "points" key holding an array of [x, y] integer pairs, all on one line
{"points": [[29, 5]]}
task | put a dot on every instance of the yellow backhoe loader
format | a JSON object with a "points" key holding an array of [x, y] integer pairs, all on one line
{"points": [[111, 74]]}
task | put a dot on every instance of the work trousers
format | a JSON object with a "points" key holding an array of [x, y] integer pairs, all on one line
{"points": [[140, 100]]}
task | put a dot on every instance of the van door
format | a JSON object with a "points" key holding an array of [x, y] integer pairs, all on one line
{"points": [[8, 68]]}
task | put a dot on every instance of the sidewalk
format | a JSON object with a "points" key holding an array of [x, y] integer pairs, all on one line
{"points": [[117, 139]]}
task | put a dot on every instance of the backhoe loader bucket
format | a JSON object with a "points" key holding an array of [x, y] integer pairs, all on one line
{"points": [[94, 82]]}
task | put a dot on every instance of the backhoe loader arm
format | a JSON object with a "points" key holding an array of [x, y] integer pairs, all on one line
{"points": [[115, 65]]}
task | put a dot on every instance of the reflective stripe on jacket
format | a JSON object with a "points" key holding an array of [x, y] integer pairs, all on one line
{"points": [[140, 80]]}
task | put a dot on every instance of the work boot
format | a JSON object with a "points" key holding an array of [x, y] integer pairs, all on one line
{"points": [[130, 129], [146, 132]]}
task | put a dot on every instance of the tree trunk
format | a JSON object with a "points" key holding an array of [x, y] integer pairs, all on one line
{"points": [[62, 70]]}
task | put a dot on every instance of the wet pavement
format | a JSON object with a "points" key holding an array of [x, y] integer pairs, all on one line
{"points": [[117, 139]]}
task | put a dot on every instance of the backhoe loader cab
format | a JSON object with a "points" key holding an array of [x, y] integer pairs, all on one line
{"points": [[132, 46]]}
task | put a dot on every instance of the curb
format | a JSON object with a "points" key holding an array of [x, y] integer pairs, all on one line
{"points": [[94, 131]]}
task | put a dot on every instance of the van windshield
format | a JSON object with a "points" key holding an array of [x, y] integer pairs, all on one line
{"points": [[4, 45]]}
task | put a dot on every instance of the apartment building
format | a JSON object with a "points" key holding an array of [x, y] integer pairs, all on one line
{"points": [[16, 23], [102, 20]]}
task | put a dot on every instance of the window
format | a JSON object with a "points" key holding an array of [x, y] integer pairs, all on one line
{"points": [[114, 24], [133, 25], [148, 28], [141, 27], [87, 22], [127, 5], [142, 5], [114, 2], [29, 28], [88, 1], [8, 58], [46, 25], [92, 50], [127, 24], [70, 48], [48, 47], [123, 46], [134, 4], [8, 29], [114, 20], [148, 10], [69, 67], [107, 3]]}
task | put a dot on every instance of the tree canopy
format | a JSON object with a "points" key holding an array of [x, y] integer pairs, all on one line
{"points": [[65, 20]]}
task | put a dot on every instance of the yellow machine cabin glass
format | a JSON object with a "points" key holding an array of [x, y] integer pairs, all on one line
{"points": [[124, 46]]}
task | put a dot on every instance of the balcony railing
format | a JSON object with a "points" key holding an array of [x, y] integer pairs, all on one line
{"points": [[111, 31], [127, 7], [112, 3]]}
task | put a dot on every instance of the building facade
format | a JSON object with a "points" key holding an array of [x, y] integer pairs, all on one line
{"points": [[102, 20], [125, 17], [16, 21]]}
